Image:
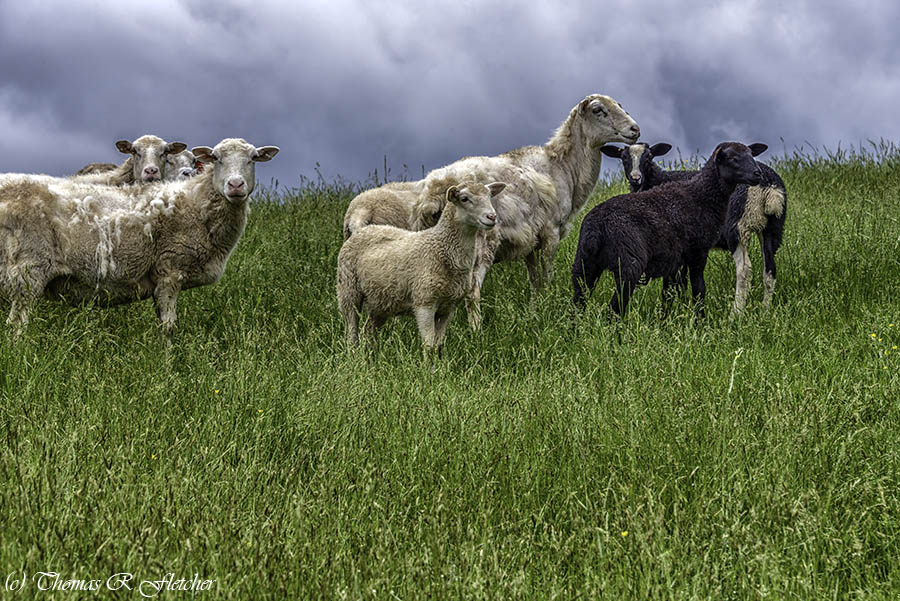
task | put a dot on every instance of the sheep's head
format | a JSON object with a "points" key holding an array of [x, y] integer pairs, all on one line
{"points": [[180, 166], [473, 203], [149, 156], [637, 160], [233, 163], [735, 165], [604, 120]]}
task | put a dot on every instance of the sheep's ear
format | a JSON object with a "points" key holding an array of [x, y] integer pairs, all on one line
{"points": [[124, 146], [453, 194], [204, 154], [657, 150], [175, 147], [612, 151], [758, 148], [266, 153], [496, 188]]}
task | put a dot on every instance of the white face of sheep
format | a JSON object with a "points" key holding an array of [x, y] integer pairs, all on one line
{"points": [[473, 203], [606, 121], [149, 156], [233, 163], [180, 166]]}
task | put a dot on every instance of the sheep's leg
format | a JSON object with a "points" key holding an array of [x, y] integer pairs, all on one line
{"points": [[584, 278], [744, 275], [625, 286], [549, 246], [373, 324], [768, 248], [485, 247], [441, 322], [533, 265], [698, 284], [27, 282], [425, 321], [672, 287], [165, 295]]}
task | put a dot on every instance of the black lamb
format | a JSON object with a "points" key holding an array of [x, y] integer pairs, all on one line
{"points": [[759, 210], [655, 232]]}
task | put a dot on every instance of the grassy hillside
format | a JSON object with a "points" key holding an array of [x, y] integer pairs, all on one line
{"points": [[541, 459]]}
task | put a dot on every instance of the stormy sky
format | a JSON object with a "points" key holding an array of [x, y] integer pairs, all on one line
{"points": [[343, 83]]}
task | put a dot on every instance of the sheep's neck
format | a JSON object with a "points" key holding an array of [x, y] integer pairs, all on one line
{"points": [[574, 161], [458, 240], [709, 180], [225, 222]]}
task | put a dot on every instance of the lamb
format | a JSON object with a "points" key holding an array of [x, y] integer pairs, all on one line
{"points": [[147, 163], [67, 240], [391, 204], [548, 186], [180, 165], [655, 232], [759, 210], [390, 271], [640, 170]]}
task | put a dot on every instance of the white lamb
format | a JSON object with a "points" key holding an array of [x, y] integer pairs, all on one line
{"points": [[64, 239], [390, 271]]}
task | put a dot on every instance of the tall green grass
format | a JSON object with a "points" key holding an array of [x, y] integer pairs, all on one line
{"points": [[647, 459]]}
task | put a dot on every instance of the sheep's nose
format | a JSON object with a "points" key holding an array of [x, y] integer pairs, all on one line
{"points": [[151, 170], [636, 130], [492, 217], [235, 184]]}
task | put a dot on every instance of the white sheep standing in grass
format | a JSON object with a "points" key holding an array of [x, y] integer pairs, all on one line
{"points": [[547, 187], [64, 239], [149, 161], [390, 271]]}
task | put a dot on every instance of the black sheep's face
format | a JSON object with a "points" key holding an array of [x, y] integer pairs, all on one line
{"points": [[735, 164], [637, 160]]}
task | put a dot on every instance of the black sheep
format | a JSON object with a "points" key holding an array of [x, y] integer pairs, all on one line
{"points": [[640, 170], [759, 210], [655, 232]]}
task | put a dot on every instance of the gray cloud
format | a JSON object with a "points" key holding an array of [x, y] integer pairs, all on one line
{"points": [[344, 83]]}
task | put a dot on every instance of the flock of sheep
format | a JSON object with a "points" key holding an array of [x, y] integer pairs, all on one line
{"points": [[167, 219], [421, 247]]}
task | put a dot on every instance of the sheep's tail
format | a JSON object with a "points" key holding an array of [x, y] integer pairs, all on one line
{"points": [[349, 298], [586, 268], [356, 222]]}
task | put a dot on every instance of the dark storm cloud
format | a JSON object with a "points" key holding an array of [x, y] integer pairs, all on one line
{"points": [[345, 83]]}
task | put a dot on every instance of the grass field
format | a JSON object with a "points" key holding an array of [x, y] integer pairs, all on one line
{"points": [[646, 459]]}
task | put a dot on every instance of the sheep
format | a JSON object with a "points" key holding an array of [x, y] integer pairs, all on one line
{"points": [[759, 210], [146, 164], [96, 168], [391, 204], [390, 271], [640, 170], [655, 232], [67, 240], [180, 165], [548, 186]]}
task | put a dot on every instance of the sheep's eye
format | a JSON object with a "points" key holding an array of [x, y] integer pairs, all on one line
{"points": [[137, 154], [463, 198]]}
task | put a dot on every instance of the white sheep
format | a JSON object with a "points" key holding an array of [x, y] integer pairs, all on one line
{"points": [[390, 271], [180, 165], [147, 163], [547, 186], [391, 204], [64, 239]]}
